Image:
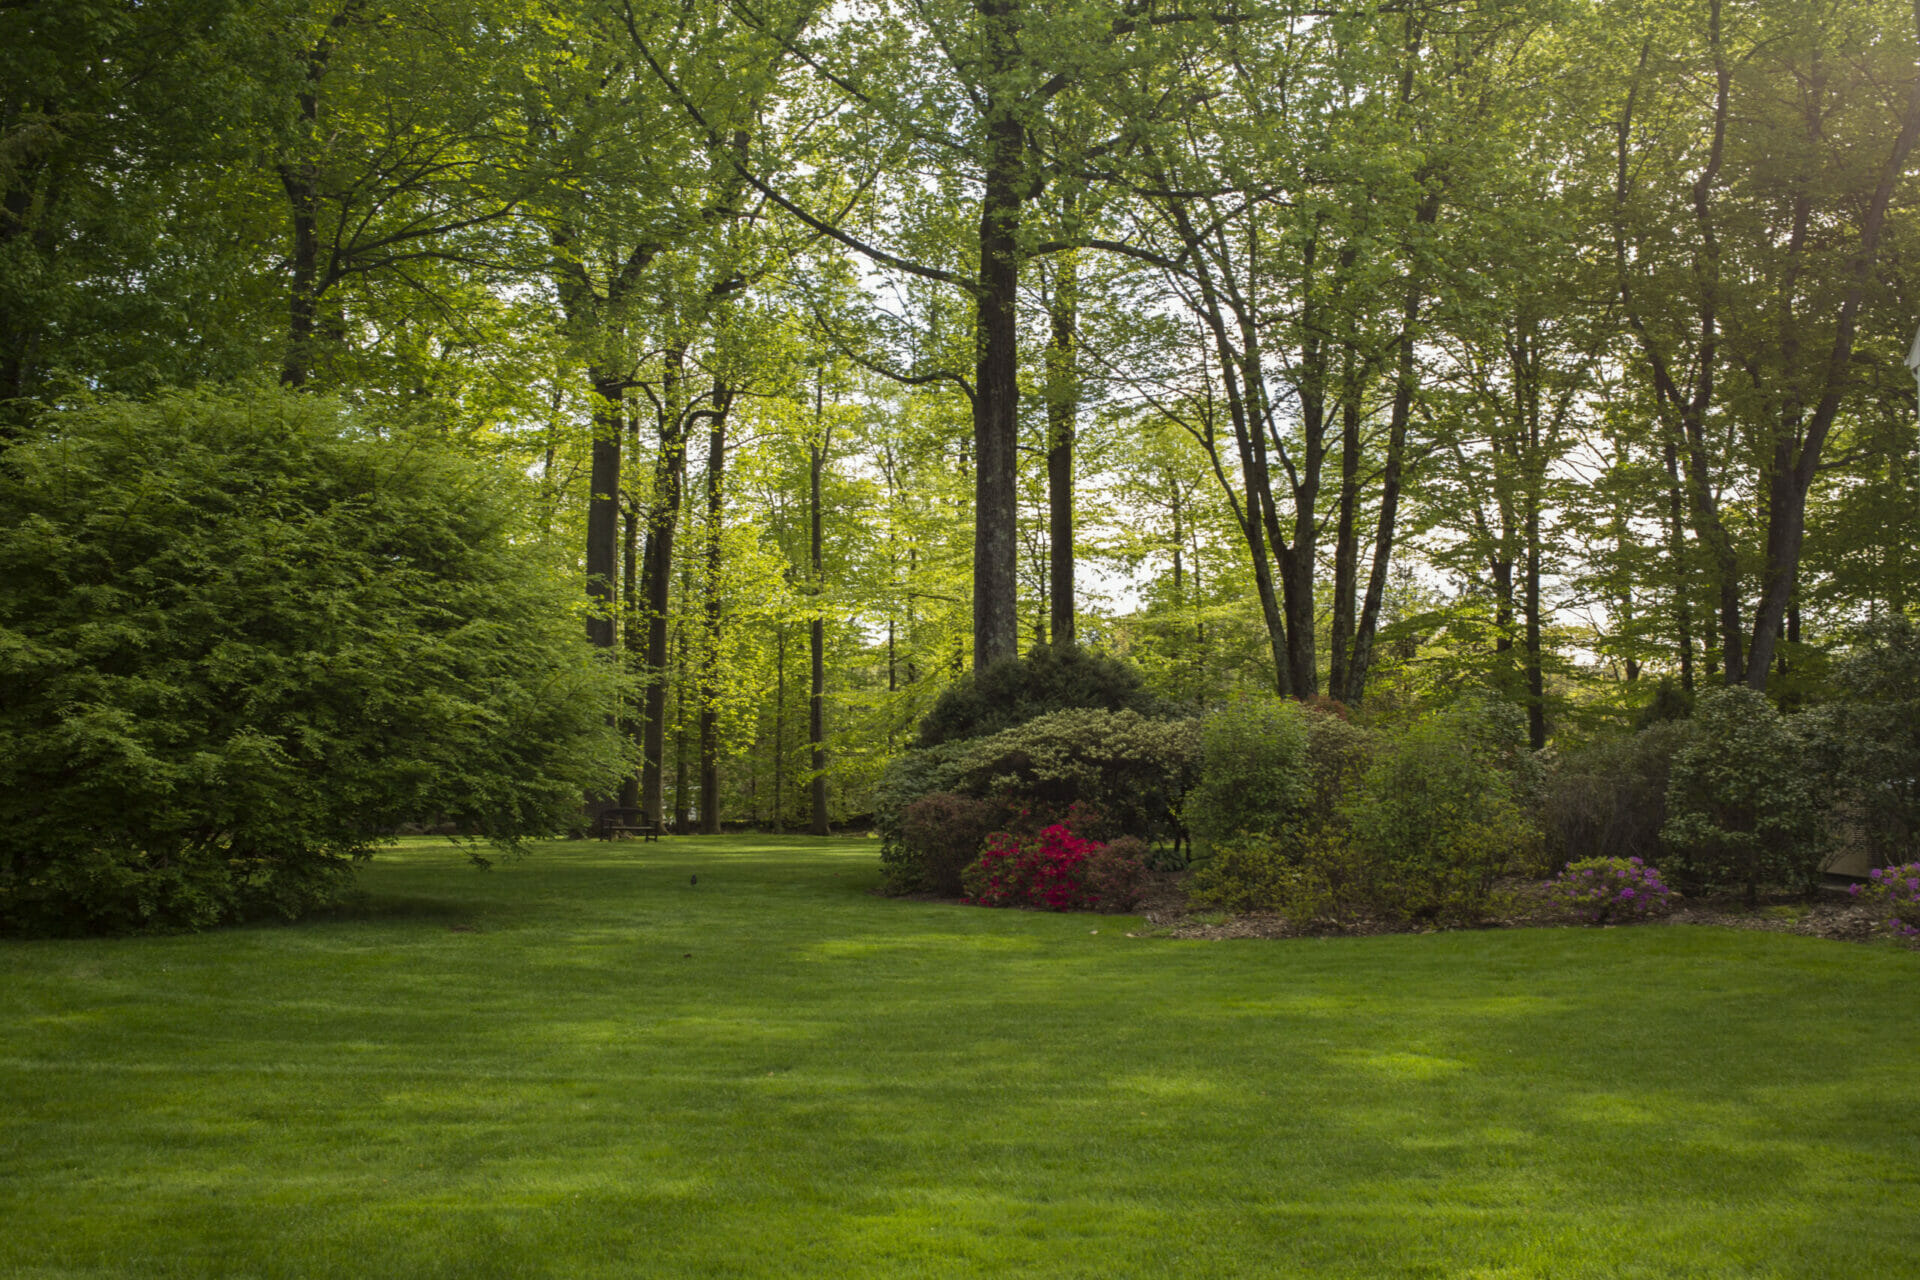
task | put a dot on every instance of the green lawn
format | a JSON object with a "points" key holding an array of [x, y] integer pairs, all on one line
{"points": [[579, 1064]]}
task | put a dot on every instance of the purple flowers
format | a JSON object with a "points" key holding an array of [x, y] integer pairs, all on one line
{"points": [[1897, 891], [1598, 890]]}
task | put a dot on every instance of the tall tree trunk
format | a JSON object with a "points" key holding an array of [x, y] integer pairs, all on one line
{"points": [[603, 511], [629, 636], [1063, 405], [1679, 566], [1368, 623], [656, 580], [817, 632], [710, 659], [1346, 539], [996, 623], [682, 794], [779, 726], [301, 180]]}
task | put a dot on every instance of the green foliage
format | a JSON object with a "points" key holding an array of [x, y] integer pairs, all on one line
{"points": [[1868, 739], [1115, 764], [1317, 879], [1743, 807], [241, 635], [1051, 677], [1670, 702], [1248, 871], [1608, 798], [1253, 771], [1441, 809], [1339, 753]]}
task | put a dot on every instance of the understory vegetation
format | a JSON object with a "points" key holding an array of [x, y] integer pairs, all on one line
{"points": [[1328, 819]]}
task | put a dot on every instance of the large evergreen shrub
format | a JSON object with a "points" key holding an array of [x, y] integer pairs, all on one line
{"points": [[1744, 809], [1867, 742], [243, 634], [1608, 798], [1051, 677]]}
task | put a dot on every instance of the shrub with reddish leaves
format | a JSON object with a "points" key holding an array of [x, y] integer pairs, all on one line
{"points": [[1113, 874], [1049, 870]]}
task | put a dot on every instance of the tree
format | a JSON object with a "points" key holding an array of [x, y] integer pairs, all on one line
{"points": [[1760, 156], [244, 635]]}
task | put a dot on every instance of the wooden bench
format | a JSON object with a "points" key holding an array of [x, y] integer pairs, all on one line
{"points": [[625, 822]]}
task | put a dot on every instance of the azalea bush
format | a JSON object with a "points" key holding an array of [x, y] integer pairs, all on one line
{"points": [[1603, 890], [1896, 890], [1057, 869], [1129, 769], [1115, 873]]}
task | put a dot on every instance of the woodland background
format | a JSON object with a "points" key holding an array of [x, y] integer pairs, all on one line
{"points": [[1546, 349]]}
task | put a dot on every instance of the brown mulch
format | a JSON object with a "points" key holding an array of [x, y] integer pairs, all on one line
{"points": [[1828, 914]]}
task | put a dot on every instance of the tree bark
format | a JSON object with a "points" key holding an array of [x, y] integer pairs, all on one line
{"points": [[656, 579], [1063, 405], [817, 632], [710, 659], [996, 400], [1360, 664], [1346, 541]]}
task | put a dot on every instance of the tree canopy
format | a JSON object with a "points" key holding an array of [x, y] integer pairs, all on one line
{"points": [[1543, 352]]}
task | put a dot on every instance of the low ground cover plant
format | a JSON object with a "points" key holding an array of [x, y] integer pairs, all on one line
{"points": [[1896, 890], [1606, 890]]}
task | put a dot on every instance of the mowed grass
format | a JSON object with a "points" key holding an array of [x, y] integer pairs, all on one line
{"points": [[579, 1064]]}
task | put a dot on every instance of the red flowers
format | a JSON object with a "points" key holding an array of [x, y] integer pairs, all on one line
{"points": [[1045, 871]]}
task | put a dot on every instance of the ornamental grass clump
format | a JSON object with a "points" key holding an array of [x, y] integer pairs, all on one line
{"points": [[1604, 890], [1896, 891]]}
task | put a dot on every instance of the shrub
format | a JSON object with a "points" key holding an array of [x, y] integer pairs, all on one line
{"points": [[1253, 771], [1114, 872], [1338, 756], [1318, 879], [242, 635], [941, 835], [1608, 798], [1117, 764], [1896, 891], [1743, 806], [1055, 677], [1440, 810], [1249, 871], [1599, 890], [1868, 739], [1048, 870]]}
